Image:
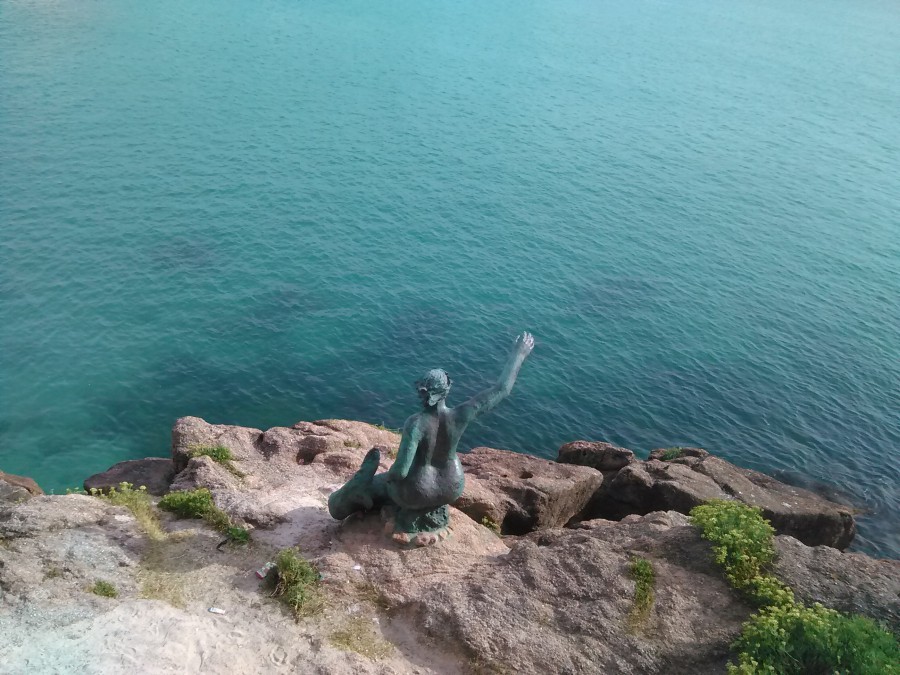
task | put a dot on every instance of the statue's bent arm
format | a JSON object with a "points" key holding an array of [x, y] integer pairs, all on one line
{"points": [[489, 398], [409, 443]]}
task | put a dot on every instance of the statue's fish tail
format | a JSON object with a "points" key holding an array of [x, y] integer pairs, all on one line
{"points": [[357, 493]]}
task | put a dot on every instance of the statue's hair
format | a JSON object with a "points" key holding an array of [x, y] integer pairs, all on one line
{"points": [[436, 383]]}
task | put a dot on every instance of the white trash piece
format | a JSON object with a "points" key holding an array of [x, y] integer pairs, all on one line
{"points": [[216, 610]]}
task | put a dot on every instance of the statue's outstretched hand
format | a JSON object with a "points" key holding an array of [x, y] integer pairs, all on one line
{"points": [[524, 344]]}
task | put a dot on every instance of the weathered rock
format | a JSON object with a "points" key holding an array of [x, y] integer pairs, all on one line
{"points": [[848, 582], [271, 467], [653, 485], [48, 514], [595, 454], [522, 493], [154, 473], [560, 602], [304, 443], [73, 539], [696, 476], [17, 488], [684, 454]]}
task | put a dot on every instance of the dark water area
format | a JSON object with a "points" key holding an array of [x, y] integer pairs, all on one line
{"points": [[262, 212]]}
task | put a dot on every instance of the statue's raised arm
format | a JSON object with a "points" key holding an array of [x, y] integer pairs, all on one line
{"points": [[489, 398]]}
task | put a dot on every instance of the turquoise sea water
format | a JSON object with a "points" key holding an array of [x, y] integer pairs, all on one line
{"points": [[262, 211]]}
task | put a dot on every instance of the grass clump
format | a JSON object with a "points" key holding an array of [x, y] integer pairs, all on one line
{"points": [[641, 571], [671, 453], [104, 589], [139, 503], [491, 524], [199, 504], [238, 535], [219, 454], [189, 503], [298, 584], [166, 569], [367, 592], [358, 635], [161, 586], [785, 637]]}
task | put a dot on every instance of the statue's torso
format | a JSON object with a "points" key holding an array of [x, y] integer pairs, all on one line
{"points": [[436, 476]]}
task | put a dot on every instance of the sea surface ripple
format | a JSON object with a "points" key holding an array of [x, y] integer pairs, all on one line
{"points": [[271, 210]]}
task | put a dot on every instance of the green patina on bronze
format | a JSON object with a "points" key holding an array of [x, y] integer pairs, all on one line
{"points": [[426, 476]]}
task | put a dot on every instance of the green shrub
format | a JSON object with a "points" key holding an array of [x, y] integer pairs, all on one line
{"points": [[766, 590], [199, 504], [104, 589], [784, 637], [671, 453], [741, 538], [299, 583], [139, 503], [219, 454], [796, 640]]}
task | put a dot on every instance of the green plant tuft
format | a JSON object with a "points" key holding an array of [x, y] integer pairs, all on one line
{"points": [[491, 524], [641, 571], [238, 535], [784, 637], [298, 584], [219, 454], [104, 589], [671, 453], [139, 503], [199, 504], [188, 503]]}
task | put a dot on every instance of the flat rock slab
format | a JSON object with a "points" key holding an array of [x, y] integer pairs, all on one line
{"points": [[154, 473], [695, 477], [522, 493]]}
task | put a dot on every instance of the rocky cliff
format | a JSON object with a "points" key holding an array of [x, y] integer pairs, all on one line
{"points": [[534, 579]]}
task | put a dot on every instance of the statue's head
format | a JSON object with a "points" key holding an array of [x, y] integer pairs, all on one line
{"points": [[434, 387]]}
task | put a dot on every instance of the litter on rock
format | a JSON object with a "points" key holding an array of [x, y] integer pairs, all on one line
{"points": [[357, 567], [264, 570], [216, 610]]}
